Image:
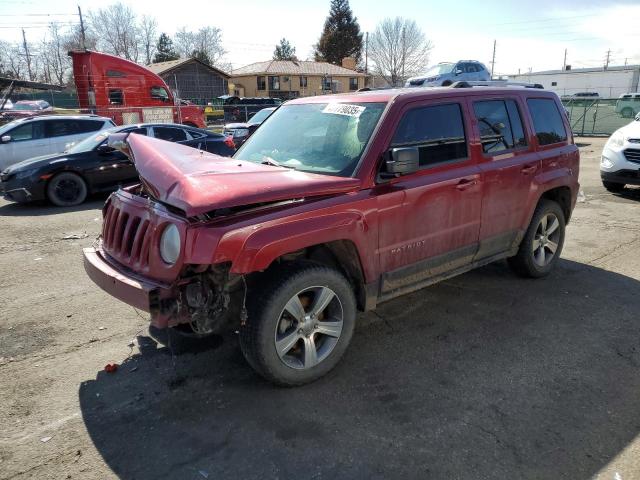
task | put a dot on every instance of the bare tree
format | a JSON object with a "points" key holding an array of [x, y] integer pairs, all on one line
{"points": [[116, 27], [53, 56], [148, 34], [205, 43], [399, 49]]}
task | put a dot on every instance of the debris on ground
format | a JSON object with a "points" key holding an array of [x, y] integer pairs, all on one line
{"points": [[75, 236], [203, 473], [45, 439], [102, 328], [111, 367]]}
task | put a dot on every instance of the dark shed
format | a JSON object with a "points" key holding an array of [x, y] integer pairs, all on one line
{"points": [[192, 79]]}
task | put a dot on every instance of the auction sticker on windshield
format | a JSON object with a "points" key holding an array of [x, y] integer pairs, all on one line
{"points": [[344, 109]]}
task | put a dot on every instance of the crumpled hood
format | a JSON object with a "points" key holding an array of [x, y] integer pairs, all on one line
{"points": [[198, 182]]}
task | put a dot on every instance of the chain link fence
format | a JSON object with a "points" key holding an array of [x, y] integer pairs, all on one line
{"points": [[599, 116]]}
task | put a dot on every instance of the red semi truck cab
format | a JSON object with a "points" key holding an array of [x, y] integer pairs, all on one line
{"points": [[128, 93]]}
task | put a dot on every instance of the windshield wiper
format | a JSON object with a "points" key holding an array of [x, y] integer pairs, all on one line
{"points": [[274, 163]]}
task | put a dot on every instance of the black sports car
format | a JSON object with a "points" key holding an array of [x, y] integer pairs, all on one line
{"points": [[91, 165]]}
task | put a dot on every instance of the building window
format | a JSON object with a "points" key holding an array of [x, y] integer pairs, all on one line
{"points": [[261, 83], [554, 84], [116, 97], [303, 82], [274, 83], [353, 83], [326, 83]]}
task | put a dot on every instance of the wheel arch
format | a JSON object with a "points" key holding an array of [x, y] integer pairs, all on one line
{"points": [[562, 196], [67, 170]]}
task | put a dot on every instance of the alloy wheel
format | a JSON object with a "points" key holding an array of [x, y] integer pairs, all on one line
{"points": [[546, 239], [309, 327]]}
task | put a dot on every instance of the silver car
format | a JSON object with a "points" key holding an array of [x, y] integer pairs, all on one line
{"points": [[32, 137]]}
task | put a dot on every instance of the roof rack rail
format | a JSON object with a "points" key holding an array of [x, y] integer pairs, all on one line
{"points": [[495, 83]]}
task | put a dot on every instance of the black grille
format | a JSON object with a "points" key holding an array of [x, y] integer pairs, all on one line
{"points": [[632, 154]]}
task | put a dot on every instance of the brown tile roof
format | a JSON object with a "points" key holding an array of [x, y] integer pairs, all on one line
{"points": [[164, 67], [290, 67]]}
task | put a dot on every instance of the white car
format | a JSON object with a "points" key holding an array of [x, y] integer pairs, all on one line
{"points": [[620, 161], [628, 105], [32, 137]]}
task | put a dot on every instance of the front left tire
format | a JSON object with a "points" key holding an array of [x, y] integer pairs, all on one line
{"points": [[300, 321], [67, 189]]}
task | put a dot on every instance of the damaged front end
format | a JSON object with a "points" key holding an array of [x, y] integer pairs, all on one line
{"points": [[210, 301]]}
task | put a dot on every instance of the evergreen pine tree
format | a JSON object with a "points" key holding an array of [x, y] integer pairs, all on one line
{"points": [[284, 51], [164, 50], [341, 36]]}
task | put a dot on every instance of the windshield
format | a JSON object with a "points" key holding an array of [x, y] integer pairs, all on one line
{"points": [[90, 142], [261, 116], [326, 138], [440, 69]]}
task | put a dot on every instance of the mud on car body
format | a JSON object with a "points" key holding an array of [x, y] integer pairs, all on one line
{"points": [[334, 205]]}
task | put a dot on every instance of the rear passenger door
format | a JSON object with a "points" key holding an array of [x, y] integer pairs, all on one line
{"points": [[429, 221], [509, 164]]}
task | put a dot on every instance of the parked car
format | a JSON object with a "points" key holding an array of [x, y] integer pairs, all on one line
{"points": [[444, 74], [628, 105], [8, 105], [240, 109], [66, 179], [241, 131], [26, 108], [620, 160], [35, 136], [335, 204]]}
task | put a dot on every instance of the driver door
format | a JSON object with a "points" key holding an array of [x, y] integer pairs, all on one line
{"points": [[429, 221]]}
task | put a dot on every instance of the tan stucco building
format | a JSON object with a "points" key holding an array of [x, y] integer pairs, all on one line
{"points": [[293, 78]]}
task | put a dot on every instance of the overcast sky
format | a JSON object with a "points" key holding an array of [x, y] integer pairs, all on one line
{"points": [[529, 34]]}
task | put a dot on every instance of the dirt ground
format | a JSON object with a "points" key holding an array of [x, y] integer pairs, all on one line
{"points": [[486, 375]]}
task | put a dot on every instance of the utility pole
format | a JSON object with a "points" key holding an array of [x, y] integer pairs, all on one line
{"points": [[26, 54], [564, 63], [493, 59], [84, 40], [366, 53], [606, 65]]}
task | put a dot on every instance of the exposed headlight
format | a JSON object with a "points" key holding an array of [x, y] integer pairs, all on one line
{"points": [[605, 162], [240, 132], [170, 244], [616, 140]]}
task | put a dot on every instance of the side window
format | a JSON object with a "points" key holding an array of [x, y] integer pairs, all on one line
{"points": [[116, 97], [139, 131], [88, 126], [170, 134], [547, 121], [195, 134], [159, 93], [500, 125], [25, 132], [62, 128], [438, 132]]}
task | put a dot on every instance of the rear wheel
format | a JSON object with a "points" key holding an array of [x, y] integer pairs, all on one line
{"points": [[542, 244], [67, 189], [613, 187], [300, 323]]}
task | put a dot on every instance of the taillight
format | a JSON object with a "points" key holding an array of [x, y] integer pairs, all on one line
{"points": [[229, 142]]}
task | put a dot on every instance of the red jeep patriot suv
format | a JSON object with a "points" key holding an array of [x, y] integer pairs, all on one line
{"points": [[334, 204]]}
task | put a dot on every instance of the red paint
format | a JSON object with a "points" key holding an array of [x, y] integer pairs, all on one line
{"points": [[458, 206], [95, 74]]}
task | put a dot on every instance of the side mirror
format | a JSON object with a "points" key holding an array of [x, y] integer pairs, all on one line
{"points": [[403, 161], [105, 149], [457, 72], [637, 120], [6, 138]]}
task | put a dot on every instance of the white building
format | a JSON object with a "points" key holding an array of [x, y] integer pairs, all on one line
{"points": [[609, 83]]}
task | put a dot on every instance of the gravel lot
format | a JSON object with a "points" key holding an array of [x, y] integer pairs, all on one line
{"points": [[486, 375]]}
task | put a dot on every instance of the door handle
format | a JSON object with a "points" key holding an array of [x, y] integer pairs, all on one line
{"points": [[465, 183], [527, 169]]}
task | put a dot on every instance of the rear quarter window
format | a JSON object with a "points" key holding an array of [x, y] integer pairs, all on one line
{"points": [[547, 121]]}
